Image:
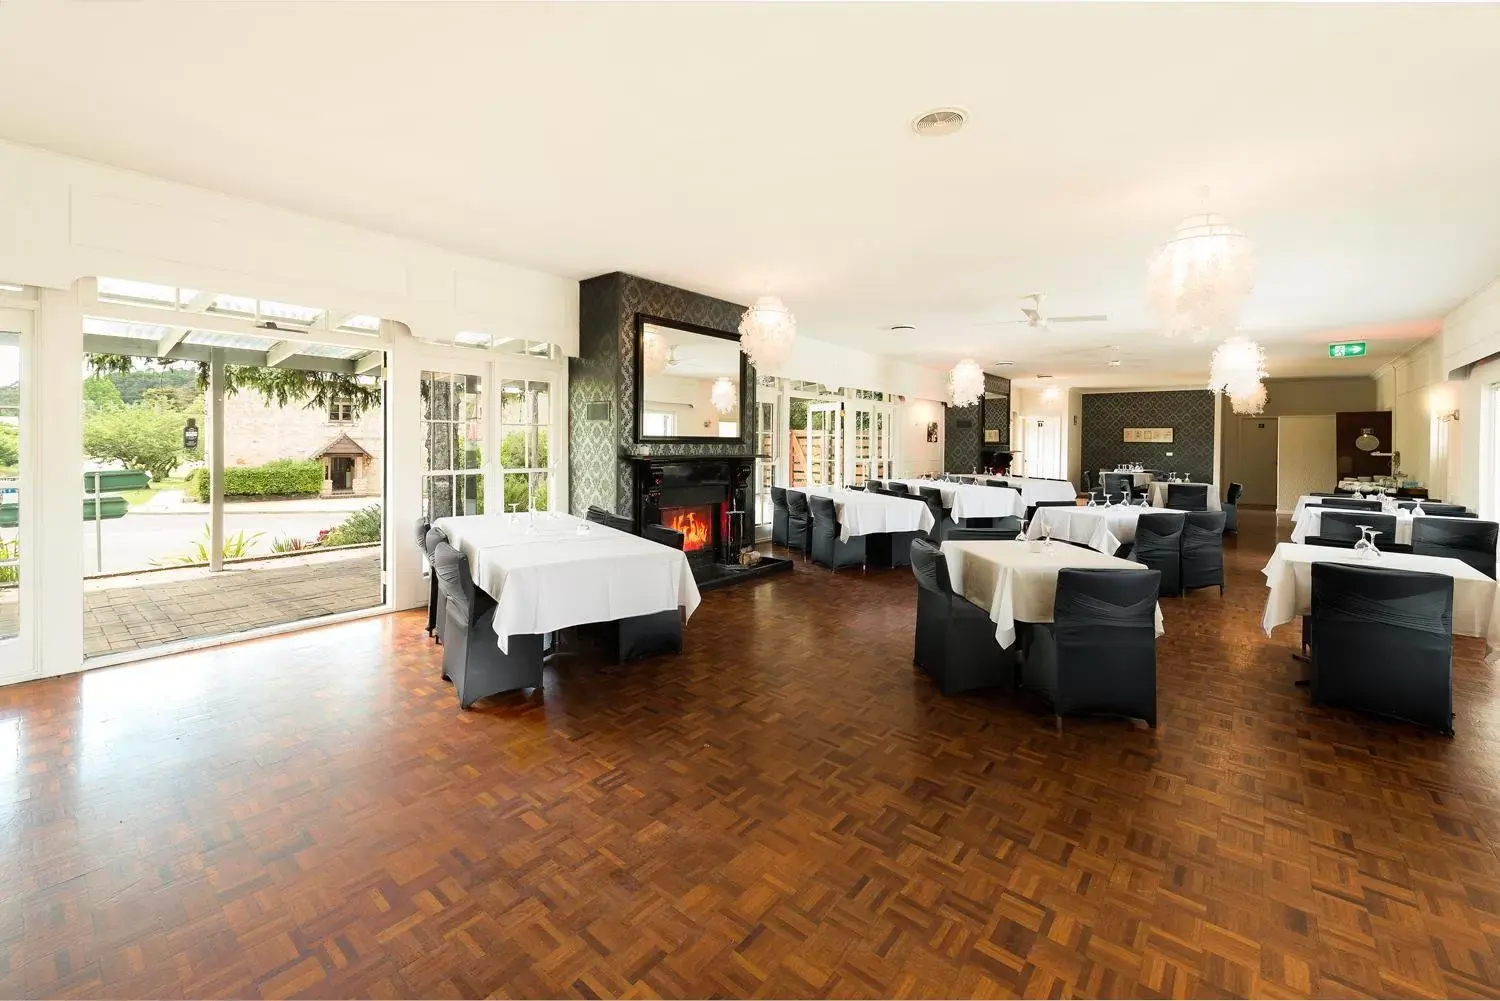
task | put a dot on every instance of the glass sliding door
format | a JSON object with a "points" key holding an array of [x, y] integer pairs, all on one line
{"points": [[825, 444], [869, 446], [16, 661], [452, 444]]}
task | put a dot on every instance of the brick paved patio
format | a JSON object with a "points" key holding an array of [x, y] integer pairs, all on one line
{"points": [[149, 609]]}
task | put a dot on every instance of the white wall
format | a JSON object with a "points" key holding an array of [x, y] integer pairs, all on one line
{"points": [[915, 455], [837, 366], [1415, 389], [1306, 458]]}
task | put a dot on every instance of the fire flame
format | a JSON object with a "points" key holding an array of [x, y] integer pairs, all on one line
{"points": [[694, 525]]}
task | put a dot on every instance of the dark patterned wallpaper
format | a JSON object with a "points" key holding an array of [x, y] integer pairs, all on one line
{"points": [[1189, 413], [607, 307], [961, 445]]}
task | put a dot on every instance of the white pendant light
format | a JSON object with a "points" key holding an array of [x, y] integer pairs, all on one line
{"points": [[653, 353], [966, 383], [1050, 394], [1200, 278], [767, 332], [722, 395], [1252, 404], [1237, 368]]}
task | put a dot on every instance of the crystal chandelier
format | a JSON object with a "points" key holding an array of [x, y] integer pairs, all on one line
{"points": [[966, 383], [722, 395], [653, 352], [767, 332], [1237, 368], [1201, 277], [1251, 405]]}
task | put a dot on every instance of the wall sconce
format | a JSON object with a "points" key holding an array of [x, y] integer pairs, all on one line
{"points": [[1450, 415]]}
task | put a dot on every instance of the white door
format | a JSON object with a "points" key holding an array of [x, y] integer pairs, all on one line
{"points": [[825, 440], [18, 616], [869, 446], [1041, 446]]}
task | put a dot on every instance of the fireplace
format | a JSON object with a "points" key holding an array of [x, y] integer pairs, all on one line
{"points": [[695, 522], [709, 500]]}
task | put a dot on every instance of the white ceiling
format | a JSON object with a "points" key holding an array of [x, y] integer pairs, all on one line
{"points": [[730, 148]]}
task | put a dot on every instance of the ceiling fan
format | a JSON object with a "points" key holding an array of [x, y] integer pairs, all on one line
{"points": [[1037, 319]]}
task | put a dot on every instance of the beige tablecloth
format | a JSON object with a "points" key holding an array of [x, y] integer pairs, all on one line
{"points": [[1289, 583], [1015, 583], [1105, 529], [1156, 492]]}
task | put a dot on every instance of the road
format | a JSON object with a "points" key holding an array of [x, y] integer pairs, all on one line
{"points": [[132, 542]]}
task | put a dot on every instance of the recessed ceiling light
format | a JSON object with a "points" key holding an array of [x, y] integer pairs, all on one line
{"points": [[903, 328], [1040, 375], [1114, 363], [1004, 364], [940, 122]]}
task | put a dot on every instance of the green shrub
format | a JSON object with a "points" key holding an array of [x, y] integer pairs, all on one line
{"points": [[361, 526], [278, 478]]}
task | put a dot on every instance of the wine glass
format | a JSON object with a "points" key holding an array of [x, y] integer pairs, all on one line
{"points": [[1046, 535]]}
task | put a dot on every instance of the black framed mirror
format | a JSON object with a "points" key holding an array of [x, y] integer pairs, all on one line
{"points": [[690, 383]]}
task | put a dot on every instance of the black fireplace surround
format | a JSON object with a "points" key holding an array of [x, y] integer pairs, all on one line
{"points": [[720, 483]]}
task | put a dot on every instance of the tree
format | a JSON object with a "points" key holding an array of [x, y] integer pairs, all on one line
{"points": [[10, 447], [136, 436], [100, 393], [281, 386]]}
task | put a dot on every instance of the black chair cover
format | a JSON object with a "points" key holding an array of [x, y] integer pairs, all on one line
{"points": [[942, 524], [997, 483], [798, 522], [1382, 642], [1472, 541], [1341, 529], [1447, 510], [1010, 530], [423, 525], [1119, 483], [1232, 508], [435, 599], [778, 516], [664, 535], [896, 489], [1187, 496], [1158, 545], [471, 658], [1203, 550], [1098, 655], [955, 641], [1351, 504], [827, 548], [876, 485]]}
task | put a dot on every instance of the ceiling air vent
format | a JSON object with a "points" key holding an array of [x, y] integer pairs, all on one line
{"points": [[940, 122]]}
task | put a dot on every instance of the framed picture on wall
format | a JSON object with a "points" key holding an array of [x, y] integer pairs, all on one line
{"points": [[932, 432], [991, 436]]}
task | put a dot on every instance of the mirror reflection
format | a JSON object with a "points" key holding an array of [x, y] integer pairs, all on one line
{"points": [[690, 384]]}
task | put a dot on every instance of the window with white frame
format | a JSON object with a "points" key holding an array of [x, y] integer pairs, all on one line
{"points": [[452, 419], [525, 455], [341, 412], [659, 424], [10, 483]]}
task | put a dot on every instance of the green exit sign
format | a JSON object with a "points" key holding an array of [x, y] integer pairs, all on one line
{"points": [[1349, 349]]}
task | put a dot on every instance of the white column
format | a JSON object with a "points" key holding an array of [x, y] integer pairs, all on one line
{"points": [[405, 585], [56, 509], [216, 460]]}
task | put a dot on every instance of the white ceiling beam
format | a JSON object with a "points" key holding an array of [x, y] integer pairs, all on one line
{"points": [[170, 340], [370, 361], [338, 319], [200, 302], [214, 323], [280, 352]]}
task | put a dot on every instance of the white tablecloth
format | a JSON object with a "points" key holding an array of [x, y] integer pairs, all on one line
{"points": [[1105, 529], [1156, 492], [972, 500], [1289, 579], [1033, 490], [545, 576], [864, 513], [1016, 584]]}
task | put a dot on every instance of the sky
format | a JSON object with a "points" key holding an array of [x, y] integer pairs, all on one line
{"points": [[10, 366]]}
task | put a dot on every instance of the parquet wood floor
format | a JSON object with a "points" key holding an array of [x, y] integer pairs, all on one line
{"points": [[785, 811]]}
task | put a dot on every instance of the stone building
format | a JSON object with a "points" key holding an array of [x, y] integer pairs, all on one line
{"points": [[350, 445]]}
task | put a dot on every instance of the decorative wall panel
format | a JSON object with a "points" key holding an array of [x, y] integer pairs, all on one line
{"points": [[1189, 413]]}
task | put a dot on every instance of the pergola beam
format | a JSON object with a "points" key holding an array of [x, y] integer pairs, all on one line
{"points": [[170, 340], [213, 323], [370, 361], [200, 302], [109, 344], [280, 352]]}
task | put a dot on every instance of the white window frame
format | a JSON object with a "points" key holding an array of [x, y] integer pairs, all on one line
{"points": [[486, 430], [18, 654]]}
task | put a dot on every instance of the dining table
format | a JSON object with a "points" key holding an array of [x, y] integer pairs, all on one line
{"points": [[862, 512], [1102, 528], [1034, 489], [1016, 580], [1288, 576], [973, 500], [551, 570], [1157, 490]]}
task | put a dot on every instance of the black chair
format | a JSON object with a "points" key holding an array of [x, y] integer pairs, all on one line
{"points": [[941, 522], [1010, 529], [1187, 496], [472, 659], [1119, 483], [1158, 545], [896, 489], [827, 548], [423, 525], [647, 635], [666, 536], [1470, 540], [618, 522], [1340, 529], [1031, 511], [876, 485], [778, 516], [967, 479], [1098, 654], [1382, 642], [1002, 484], [1203, 550], [1350, 504], [956, 642], [435, 600], [1447, 510], [798, 522], [1232, 508]]}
